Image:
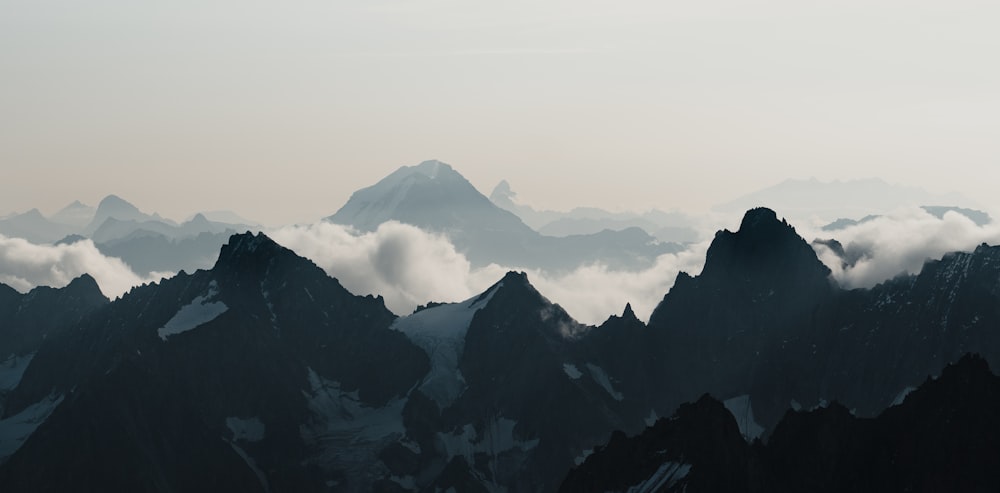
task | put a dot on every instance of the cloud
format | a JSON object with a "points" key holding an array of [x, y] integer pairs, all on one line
{"points": [[25, 265], [899, 242], [409, 267]]}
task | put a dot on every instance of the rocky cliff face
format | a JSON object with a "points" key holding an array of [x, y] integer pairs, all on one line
{"points": [[267, 370], [942, 437]]}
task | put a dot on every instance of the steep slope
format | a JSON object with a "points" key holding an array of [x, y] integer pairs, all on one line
{"points": [[510, 398], [942, 437], [30, 319], [744, 321], [267, 365], [764, 322]]}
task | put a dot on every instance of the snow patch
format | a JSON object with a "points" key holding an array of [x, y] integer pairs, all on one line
{"points": [[348, 433], [195, 314], [902, 396], [651, 419], [440, 332], [16, 429], [246, 429], [12, 370], [741, 409], [252, 464], [498, 438], [572, 372], [583, 456], [665, 477], [604, 381]]}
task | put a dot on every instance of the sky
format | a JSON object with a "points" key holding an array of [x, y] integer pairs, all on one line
{"points": [[279, 110]]}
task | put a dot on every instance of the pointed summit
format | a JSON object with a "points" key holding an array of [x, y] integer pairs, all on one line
{"points": [[628, 314], [76, 214], [84, 284], [763, 246], [435, 197]]}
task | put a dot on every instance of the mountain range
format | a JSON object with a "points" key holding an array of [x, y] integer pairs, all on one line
{"points": [[830, 200], [665, 226], [436, 198], [146, 242], [265, 374]]}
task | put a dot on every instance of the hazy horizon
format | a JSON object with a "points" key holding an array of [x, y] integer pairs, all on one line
{"points": [[279, 112]]}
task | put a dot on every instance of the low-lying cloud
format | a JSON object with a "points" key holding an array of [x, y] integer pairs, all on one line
{"points": [[409, 267], [899, 242], [25, 265]]}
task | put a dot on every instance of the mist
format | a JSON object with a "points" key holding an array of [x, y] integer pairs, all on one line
{"points": [[25, 265], [898, 243], [409, 267]]}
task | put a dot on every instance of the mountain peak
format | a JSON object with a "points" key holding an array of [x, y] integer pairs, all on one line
{"points": [[514, 278], [433, 168], [759, 217], [628, 314], [244, 244], [84, 284], [198, 219], [115, 202], [763, 243]]}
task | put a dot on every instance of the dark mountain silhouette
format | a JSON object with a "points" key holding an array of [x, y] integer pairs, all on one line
{"points": [[265, 368], [30, 319], [433, 196], [248, 367], [942, 437]]}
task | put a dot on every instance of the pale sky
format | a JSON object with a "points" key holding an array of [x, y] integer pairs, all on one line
{"points": [[279, 110]]}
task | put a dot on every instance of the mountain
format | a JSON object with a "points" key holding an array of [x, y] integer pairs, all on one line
{"points": [[76, 214], [261, 373], [829, 200], [225, 217], [763, 322], [434, 197], [34, 227], [941, 437], [118, 208], [665, 226], [980, 218], [30, 319], [272, 374]]}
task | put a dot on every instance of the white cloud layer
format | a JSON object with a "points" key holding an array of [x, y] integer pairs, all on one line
{"points": [[24, 265], [409, 267], [899, 242]]}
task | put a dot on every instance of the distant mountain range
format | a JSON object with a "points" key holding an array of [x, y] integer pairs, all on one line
{"points": [[980, 218], [275, 378], [434, 197], [146, 242], [665, 226], [830, 200]]}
